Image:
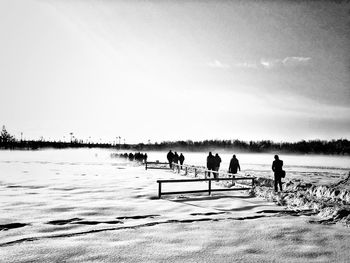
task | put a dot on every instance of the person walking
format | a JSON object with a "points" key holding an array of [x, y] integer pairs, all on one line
{"points": [[181, 159], [234, 167], [210, 163], [176, 158], [176, 162], [277, 165], [170, 157], [217, 165]]}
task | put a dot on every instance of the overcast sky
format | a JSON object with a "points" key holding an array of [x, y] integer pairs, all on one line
{"points": [[175, 70]]}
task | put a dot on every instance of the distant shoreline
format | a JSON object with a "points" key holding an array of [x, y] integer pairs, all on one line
{"points": [[40, 145]]}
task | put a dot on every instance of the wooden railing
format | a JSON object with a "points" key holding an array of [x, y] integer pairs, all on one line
{"points": [[197, 170], [187, 169], [209, 180], [153, 165]]}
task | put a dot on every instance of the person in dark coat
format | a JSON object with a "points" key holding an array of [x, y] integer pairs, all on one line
{"points": [[181, 159], [170, 157], [210, 163], [277, 165], [217, 165], [176, 158], [234, 165]]}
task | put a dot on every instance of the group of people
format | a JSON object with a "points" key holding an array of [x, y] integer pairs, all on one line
{"points": [[141, 157], [175, 158], [213, 166]]}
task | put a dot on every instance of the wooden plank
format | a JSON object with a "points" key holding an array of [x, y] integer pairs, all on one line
{"points": [[230, 189], [159, 190], [209, 187], [185, 192], [205, 191], [205, 180]]}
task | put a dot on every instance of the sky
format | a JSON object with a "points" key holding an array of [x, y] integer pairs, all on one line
{"points": [[175, 70]]}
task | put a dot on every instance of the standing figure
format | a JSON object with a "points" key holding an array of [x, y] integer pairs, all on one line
{"points": [[210, 163], [277, 169], [234, 165], [170, 157], [176, 158], [181, 159], [217, 165]]}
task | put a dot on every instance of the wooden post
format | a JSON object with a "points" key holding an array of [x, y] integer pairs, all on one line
{"points": [[159, 190], [209, 186], [146, 165], [186, 170], [253, 182], [195, 172]]}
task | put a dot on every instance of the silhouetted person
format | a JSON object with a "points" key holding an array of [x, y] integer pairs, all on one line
{"points": [[176, 158], [181, 159], [217, 165], [277, 169], [234, 165], [145, 157], [170, 157], [210, 163]]}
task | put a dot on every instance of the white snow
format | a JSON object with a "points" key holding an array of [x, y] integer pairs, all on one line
{"points": [[82, 206]]}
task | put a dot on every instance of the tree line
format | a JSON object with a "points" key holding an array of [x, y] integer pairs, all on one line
{"points": [[340, 146]]}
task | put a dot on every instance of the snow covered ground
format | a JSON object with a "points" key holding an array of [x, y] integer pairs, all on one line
{"points": [[82, 206]]}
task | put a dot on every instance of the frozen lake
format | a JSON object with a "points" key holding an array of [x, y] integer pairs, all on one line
{"points": [[310, 168]]}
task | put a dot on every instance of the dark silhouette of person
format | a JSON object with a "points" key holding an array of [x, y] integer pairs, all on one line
{"points": [[217, 165], [145, 157], [210, 163], [170, 157], [234, 165], [181, 159], [176, 158], [277, 165]]}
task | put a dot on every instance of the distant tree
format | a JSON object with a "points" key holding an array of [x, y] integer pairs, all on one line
{"points": [[5, 136]]}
